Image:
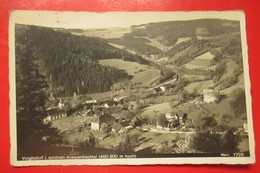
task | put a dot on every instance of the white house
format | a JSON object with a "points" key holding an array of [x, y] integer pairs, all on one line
{"points": [[163, 88], [210, 95], [54, 114], [61, 104], [91, 102]]}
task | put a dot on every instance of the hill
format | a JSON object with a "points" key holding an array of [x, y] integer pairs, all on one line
{"points": [[169, 38], [70, 62], [210, 47]]}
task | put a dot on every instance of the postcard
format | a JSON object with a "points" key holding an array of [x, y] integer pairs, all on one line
{"points": [[129, 88]]}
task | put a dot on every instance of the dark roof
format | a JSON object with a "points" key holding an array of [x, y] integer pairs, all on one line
{"points": [[116, 126], [111, 103], [168, 85], [125, 123], [103, 119], [56, 111], [106, 119], [157, 89]]}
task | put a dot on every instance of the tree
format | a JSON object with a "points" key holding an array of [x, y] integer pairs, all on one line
{"points": [[161, 120], [238, 101], [104, 128], [205, 122], [206, 141], [33, 136], [125, 143], [88, 138], [229, 142], [219, 71]]}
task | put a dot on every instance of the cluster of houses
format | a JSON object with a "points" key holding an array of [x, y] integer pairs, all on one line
{"points": [[173, 121], [97, 116], [114, 124]]}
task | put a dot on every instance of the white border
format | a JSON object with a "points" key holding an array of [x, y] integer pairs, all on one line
{"points": [[20, 17]]}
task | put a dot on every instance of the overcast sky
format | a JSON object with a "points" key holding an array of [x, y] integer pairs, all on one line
{"points": [[110, 19]]}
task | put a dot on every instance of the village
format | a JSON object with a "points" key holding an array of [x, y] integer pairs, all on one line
{"points": [[148, 117]]}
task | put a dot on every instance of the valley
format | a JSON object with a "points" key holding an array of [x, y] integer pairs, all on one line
{"points": [[149, 89]]}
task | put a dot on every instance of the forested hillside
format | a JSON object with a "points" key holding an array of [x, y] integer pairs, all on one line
{"points": [[70, 62], [30, 101], [175, 36]]}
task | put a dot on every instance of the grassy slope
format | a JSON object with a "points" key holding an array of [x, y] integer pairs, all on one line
{"points": [[199, 86], [142, 73], [239, 84], [200, 61]]}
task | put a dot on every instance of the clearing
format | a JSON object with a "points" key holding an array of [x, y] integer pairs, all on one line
{"points": [[68, 123], [184, 39], [144, 74], [157, 109], [193, 77], [114, 32], [200, 61]]}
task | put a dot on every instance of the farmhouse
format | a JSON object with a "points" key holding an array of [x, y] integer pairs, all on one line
{"points": [[120, 99], [116, 127], [210, 95], [96, 121], [54, 114], [163, 88]]}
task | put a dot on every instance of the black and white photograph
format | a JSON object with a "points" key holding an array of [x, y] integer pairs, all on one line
{"points": [[129, 88]]}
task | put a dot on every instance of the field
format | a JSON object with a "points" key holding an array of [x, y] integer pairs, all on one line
{"points": [[191, 77], [115, 32], [68, 123], [180, 40], [200, 61], [144, 74], [157, 109], [219, 109], [199, 86], [149, 140]]}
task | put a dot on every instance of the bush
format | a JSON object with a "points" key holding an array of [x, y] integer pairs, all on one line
{"points": [[206, 142], [238, 101], [209, 142]]}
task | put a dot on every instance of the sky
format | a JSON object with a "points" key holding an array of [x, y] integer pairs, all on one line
{"points": [[86, 20]]}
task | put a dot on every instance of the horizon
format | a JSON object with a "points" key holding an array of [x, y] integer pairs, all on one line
{"points": [[98, 20]]}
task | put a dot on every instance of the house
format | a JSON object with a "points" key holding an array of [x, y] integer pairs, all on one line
{"points": [[91, 102], [135, 122], [119, 99], [163, 88], [172, 119], [116, 127], [54, 114], [96, 121], [61, 104], [110, 103], [210, 95], [158, 126]]}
